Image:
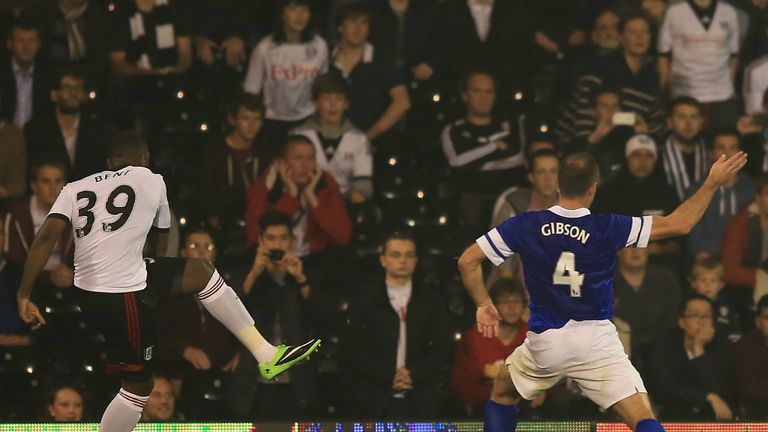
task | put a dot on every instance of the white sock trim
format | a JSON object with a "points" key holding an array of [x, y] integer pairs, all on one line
{"points": [[212, 289], [135, 402]]}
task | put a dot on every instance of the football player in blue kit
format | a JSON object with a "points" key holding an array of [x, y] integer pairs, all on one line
{"points": [[569, 258]]}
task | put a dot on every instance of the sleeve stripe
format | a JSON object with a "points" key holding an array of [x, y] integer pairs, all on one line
{"points": [[59, 216], [489, 250], [500, 246], [634, 231], [645, 232]]}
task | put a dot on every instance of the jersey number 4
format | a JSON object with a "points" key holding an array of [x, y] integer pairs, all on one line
{"points": [[566, 274], [123, 211]]}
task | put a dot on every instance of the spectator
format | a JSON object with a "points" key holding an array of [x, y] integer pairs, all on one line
{"points": [[68, 134], [231, 163], [707, 280], [685, 153], [542, 174], [65, 404], [341, 148], [754, 134], [378, 98], [481, 147], [151, 38], [647, 298], [296, 186], [78, 37], [597, 133], [755, 85], [698, 55], [10, 324], [705, 239], [279, 296], [751, 373], [478, 359], [187, 332], [493, 35], [223, 27], [396, 341], [24, 81], [743, 253], [26, 216], [282, 68], [406, 31], [691, 367], [161, 405], [13, 162], [639, 178], [631, 71]]}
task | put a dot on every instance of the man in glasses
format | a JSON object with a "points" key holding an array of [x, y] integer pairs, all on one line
{"points": [[691, 367]]}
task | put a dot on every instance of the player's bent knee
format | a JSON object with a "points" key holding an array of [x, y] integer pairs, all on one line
{"points": [[197, 273]]}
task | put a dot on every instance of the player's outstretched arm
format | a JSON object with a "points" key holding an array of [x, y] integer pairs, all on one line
{"points": [[472, 275], [688, 214], [37, 256]]}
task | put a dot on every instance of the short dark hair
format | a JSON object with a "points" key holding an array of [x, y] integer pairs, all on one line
{"points": [[352, 10], [46, 161], [473, 73], [68, 71], [295, 139], [683, 100], [330, 82], [24, 22], [605, 90], [507, 286], [249, 101], [762, 304], [577, 173], [690, 298], [198, 230], [279, 35], [635, 15], [723, 131], [540, 154], [272, 218], [398, 234], [126, 144], [56, 389]]}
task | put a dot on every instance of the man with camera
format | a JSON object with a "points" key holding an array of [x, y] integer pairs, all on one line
{"points": [[278, 295]]}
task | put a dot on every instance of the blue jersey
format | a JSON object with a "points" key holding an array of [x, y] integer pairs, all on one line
{"points": [[569, 258]]}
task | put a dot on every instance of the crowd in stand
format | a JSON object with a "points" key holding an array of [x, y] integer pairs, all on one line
{"points": [[333, 157]]}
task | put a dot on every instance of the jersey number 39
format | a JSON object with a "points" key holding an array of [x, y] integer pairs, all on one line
{"points": [[566, 274], [123, 211]]}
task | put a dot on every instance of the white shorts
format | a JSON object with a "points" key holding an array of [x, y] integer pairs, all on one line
{"points": [[588, 352]]}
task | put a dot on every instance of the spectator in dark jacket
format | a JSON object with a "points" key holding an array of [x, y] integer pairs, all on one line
{"points": [[284, 303], [691, 367], [68, 134], [397, 342]]}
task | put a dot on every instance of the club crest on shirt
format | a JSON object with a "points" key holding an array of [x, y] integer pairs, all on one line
{"points": [[148, 353], [310, 52]]}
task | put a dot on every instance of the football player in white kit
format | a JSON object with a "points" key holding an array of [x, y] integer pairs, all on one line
{"points": [[111, 213], [569, 257]]}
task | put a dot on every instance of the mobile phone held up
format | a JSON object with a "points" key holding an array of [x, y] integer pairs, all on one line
{"points": [[624, 118]]}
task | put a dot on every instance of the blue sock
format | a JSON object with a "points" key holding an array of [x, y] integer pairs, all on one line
{"points": [[500, 418], [649, 425]]}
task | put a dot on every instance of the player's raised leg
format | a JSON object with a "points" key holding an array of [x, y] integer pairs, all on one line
{"points": [[202, 279], [501, 409], [124, 412], [636, 412]]}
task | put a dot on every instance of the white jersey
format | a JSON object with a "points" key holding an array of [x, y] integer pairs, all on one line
{"points": [[111, 214], [700, 56], [284, 74], [350, 160], [755, 84]]}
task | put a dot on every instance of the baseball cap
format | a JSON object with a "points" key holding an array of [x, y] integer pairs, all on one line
{"points": [[639, 142]]}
